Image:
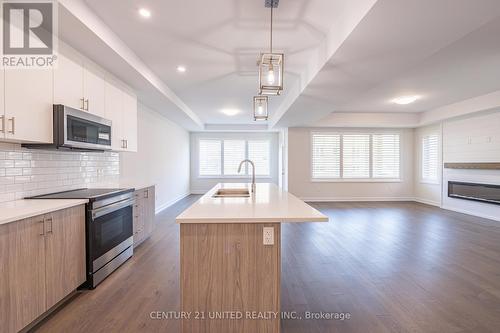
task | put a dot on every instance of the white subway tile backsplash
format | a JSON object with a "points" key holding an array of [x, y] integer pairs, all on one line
{"points": [[22, 164], [14, 155], [26, 172], [13, 172], [6, 163]]}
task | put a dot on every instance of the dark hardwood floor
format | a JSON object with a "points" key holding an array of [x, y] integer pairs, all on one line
{"points": [[394, 267]]}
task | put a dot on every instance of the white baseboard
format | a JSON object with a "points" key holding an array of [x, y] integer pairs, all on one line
{"points": [[427, 202], [354, 199], [170, 203]]}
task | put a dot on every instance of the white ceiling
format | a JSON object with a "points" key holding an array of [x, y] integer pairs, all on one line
{"points": [[219, 42], [341, 55], [443, 50]]}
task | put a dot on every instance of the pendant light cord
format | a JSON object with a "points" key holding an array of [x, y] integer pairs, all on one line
{"points": [[271, 39]]}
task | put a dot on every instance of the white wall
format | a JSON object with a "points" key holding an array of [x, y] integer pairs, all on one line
{"points": [[201, 185], [472, 139], [299, 172], [162, 158], [426, 192]]}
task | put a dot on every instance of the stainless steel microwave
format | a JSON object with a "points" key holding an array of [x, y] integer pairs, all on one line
{"points": [[77, 130]]}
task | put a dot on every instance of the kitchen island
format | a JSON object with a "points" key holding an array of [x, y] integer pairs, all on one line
{"points": [[230, 255]]}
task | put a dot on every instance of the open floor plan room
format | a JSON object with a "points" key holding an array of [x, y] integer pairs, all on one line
{"points": [[250, 166], [393, 267]]}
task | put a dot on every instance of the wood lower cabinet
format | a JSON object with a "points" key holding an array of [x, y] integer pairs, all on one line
{"points": [[22, 273], [42, 260], [64, 253], [144, 214]]}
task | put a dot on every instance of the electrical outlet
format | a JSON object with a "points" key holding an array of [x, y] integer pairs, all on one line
{"points": [[268, 235]]}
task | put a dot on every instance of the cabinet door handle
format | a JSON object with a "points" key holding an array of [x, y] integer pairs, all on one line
{"points": [[126, 143], [42, 223], [13, 120], [49, 220], [83, 103], [87, 101], [2, 129]]}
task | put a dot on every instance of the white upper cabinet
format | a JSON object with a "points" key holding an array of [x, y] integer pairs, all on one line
{"points": [[78, 84], [130, 121], [27, 97], [68, 83], [28, 105], [121, 109], [93, 90], [114, 112]]}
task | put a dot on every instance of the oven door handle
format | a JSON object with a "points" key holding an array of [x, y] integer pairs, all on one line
{"points": [[96, 213]]}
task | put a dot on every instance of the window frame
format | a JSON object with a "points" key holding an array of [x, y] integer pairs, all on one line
{"points": [[423, 180], [370, 179], [247, 172]]}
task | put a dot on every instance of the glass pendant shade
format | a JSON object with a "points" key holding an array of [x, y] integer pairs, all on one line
{"points": [[271, 73], [260, 108]]}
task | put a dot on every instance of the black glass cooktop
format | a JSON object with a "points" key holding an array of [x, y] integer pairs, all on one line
{"points": [[84, 193]]}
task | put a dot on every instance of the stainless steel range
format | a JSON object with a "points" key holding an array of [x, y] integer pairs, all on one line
{"points": [[108, 226]]}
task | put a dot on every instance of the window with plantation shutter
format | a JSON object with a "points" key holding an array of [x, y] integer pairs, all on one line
{"points": [[325, 156], [345, 156], [259, 154], [430, 166], [234, 153], [220, 158], [385, 150], [210, 157], [356, 155]]}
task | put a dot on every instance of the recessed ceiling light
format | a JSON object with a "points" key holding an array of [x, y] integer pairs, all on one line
{"points": [[181, 69], [405, 99], [230, 112], [145, 12]]}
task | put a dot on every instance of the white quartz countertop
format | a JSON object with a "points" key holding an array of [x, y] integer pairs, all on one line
{"points": [[22, 209], [269, 203]]}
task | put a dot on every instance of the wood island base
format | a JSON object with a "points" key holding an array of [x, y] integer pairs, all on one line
{"points": [[230, 280]]}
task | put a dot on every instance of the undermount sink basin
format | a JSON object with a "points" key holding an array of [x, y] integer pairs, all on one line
{"points": [[232, 192]]}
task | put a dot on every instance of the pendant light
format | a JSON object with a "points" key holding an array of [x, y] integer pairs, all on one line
{"points": [[271, 64], [260, 108]]}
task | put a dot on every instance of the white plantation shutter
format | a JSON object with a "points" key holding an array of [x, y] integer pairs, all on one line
{"points": [[234, 153], [430, 158], [385, 148], [259, 153], [356, 155], [210, 157], [325, 155]]}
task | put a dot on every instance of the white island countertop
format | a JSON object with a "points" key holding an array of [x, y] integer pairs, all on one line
{"points": [[268, 204], [22, 209]]}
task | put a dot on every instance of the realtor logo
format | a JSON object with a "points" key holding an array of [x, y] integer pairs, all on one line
{"points": [[28, 38]]}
